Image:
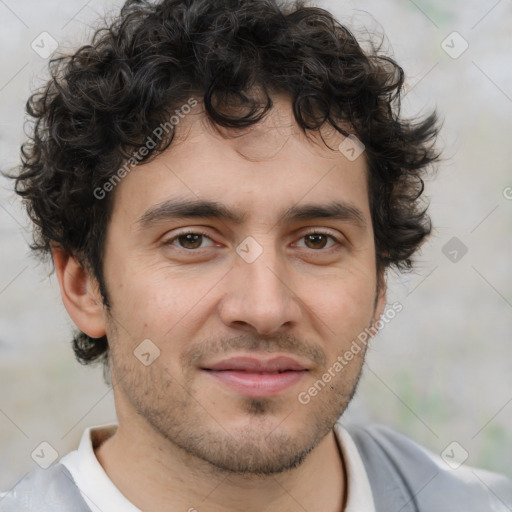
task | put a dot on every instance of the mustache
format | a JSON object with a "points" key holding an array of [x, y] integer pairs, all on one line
{"points": [[279, 343]]}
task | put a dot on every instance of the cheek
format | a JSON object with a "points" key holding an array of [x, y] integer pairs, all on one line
{"points": [[344, 310], [156, 301], [347, 315], [345, 297]]}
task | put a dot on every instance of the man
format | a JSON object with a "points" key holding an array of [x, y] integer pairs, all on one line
{"points": [[222, 187]]}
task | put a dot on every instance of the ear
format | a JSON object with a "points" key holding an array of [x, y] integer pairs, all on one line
{"points": [[80, 294], [380, 299]]}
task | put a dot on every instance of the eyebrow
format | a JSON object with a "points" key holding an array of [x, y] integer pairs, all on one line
{"points": [[205, 209]]}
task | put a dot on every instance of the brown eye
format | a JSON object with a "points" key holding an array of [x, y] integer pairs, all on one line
{"points": [[318, 241], [190, 241]]}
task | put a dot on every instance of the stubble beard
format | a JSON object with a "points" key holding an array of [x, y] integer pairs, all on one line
{"points": [[262, 446]]}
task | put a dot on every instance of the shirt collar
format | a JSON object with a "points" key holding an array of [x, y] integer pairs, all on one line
{"points": [[101, 495]]}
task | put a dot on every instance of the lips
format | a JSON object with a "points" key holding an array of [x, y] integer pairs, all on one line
{"points": [[254, 365], [257, 377]]}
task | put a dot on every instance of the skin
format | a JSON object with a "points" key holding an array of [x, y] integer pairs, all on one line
{"points": [[184, 438]]}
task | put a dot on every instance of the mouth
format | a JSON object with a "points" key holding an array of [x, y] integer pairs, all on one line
{"points": [[257, 377]]}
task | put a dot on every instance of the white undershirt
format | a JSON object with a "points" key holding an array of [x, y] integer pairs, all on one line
{"points": [[101, 495]]}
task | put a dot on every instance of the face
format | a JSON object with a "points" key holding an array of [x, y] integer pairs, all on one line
{"points": [[248, 262]]}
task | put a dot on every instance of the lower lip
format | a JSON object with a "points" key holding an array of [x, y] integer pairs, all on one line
{"points": [[257, 384]]}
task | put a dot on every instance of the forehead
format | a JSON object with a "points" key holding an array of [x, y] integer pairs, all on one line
{"points": [[259, 170]]}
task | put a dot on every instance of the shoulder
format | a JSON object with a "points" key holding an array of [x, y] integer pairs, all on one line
{"points": [[43, 490], [396, 464]]}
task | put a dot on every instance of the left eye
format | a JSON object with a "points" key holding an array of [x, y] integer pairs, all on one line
{"points": [[318, 240]]}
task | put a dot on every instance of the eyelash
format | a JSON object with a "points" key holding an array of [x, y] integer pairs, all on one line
{"points": [[202, 233]]}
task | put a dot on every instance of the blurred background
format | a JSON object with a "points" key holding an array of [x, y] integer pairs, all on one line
{"points": [[440, 371]]}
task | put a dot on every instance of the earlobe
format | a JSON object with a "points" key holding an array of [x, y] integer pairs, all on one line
{"points": [[80, 295]]}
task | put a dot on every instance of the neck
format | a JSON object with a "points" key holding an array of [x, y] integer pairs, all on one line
{"points": [[153, 473]]}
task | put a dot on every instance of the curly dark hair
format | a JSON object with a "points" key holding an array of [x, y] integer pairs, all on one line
{"points": [[102, 102]]}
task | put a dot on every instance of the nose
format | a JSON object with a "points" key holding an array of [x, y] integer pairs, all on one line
{"points": [[260, 296]]}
